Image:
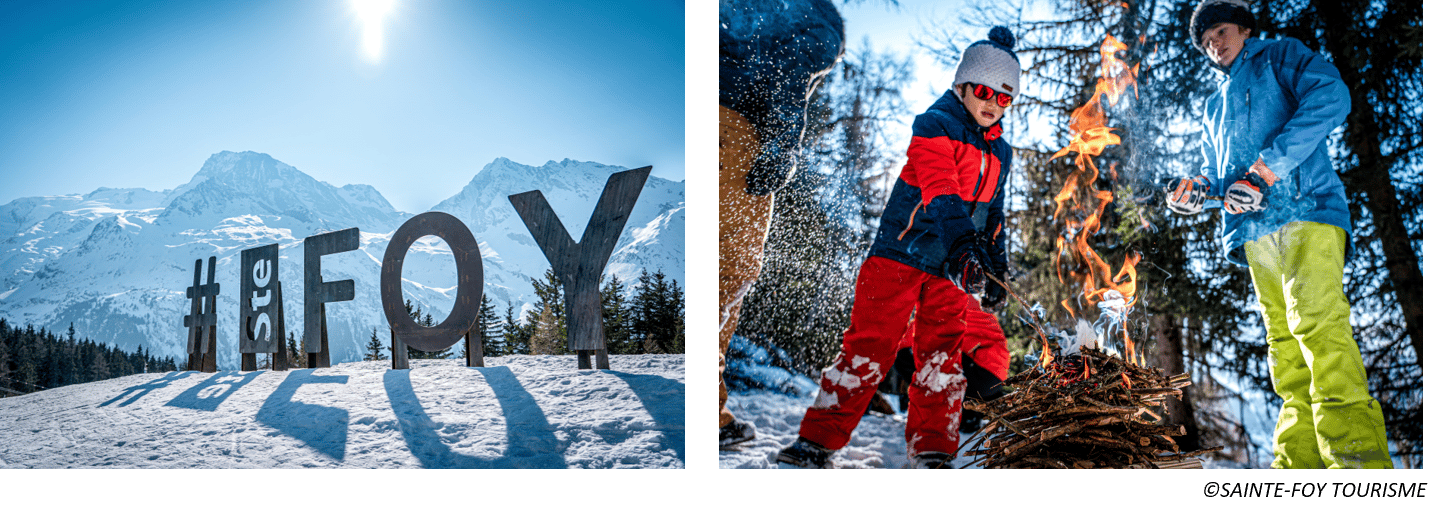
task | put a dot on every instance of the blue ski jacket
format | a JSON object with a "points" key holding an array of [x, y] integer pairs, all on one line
{"points": [[1279, 100]]}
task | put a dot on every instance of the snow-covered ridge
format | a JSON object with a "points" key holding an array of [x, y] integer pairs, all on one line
{"points": [[116, 262]]}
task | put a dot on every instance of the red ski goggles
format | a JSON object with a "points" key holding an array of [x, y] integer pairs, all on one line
{"points": [[985, 93]]}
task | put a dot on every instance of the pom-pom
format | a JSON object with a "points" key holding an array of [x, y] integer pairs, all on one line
{"points": [[1002, 36]]}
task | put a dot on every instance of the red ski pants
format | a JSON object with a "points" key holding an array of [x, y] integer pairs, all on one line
{"points": [[887, 292]]}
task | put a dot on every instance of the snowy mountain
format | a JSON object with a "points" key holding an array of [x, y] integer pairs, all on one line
{"points": [[518, 412], [116, 262]]}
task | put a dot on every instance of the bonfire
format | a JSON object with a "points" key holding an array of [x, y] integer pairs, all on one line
{"points": [[1090, 409], [1085, 406]]}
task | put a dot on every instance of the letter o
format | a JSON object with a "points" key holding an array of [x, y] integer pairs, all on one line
{"points": [[470, 285]]}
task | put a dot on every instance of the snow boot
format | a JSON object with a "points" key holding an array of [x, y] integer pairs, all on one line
{"points": [[931, 460], [736, 432], [805, 454]]}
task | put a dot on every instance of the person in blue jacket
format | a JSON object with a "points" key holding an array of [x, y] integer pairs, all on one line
{"points": [[1286, 218]]}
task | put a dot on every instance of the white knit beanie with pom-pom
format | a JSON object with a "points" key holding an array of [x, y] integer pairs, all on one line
{"points": [[991, 62]]}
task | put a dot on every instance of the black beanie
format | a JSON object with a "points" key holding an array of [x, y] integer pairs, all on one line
{"points": [[1212, 12]]}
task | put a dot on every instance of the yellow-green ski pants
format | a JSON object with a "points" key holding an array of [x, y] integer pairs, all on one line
{"points": [[1328, 419]]}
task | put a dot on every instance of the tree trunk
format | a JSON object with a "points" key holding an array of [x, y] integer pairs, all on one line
{"points": [[1168, 356]]}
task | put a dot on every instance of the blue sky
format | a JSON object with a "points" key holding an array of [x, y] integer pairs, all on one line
{"points": [[139, 93]]}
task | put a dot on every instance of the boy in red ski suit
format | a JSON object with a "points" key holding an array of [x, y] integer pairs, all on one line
{"points": [[942, 228]]}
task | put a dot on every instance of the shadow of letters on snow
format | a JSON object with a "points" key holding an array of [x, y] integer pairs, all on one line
{"points": [[320, 427], [141, 390], [209, 394], [665, 400], [530, 438]]}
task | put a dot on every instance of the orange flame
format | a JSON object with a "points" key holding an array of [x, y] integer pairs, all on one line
{"points": [[1075, 258]]}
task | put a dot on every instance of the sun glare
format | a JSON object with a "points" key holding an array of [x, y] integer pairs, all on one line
{"points": [[372, 13]]}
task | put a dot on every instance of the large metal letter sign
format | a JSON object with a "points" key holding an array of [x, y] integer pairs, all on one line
{"points": [[405, 332], [579, 266], [318, 292], [262, 317], [200, 324]]}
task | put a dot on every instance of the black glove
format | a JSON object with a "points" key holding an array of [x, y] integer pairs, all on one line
{"points": [[966, 263], [994, 299], [965, 256]]}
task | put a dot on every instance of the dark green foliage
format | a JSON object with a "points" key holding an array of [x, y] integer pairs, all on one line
{"points": [[615, 318], [515, 335], [549, 294], [653, 314], [424, 319], [490, 328], [374, 347], [32, 360], [297, 357]]}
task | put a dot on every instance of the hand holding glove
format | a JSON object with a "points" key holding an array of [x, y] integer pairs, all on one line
{"points": [[1250, 193], [1187, 195]]}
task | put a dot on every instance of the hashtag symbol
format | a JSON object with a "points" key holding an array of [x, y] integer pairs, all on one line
{"points": [[201, 321]]}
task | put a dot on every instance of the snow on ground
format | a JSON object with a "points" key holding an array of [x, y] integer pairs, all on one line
{"points": [[762, 391], [519, 412], [878, 441]]}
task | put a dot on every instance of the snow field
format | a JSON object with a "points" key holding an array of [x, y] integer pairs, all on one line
{"points": [[519, 412], [878, 441]]}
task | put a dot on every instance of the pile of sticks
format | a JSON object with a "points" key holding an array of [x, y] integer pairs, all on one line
{"points": [[1086, 410]]}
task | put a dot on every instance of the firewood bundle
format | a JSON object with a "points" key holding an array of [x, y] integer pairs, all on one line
{"points": [[1086, 410]]}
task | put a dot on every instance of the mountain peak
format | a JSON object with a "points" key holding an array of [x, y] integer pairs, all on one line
{"points": [[255, 183]]}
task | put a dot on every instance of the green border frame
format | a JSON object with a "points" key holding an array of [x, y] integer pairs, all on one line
{"points": [[701, 487]]}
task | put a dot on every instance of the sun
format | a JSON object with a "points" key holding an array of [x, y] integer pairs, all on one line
{"points": [[372, 13]]}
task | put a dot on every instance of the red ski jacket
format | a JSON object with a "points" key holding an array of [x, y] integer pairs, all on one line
{"points": [[949, 154]]}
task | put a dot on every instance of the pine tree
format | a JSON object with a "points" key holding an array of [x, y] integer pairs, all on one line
{"points": [[675, 310], [5, 367], [298, 359], [374, 348], [516, 335], [99, 366], [50, 369], [549, 294], [425, 319], [547, 338], [654, 313], [614, 318], [490, 328], [640, 310]]}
